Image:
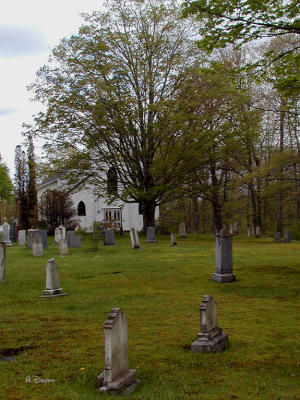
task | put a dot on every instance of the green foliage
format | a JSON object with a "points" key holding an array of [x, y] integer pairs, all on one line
{"points": [[6, 186]]}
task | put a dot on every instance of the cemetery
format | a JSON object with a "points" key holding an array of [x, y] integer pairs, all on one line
{"points": [[130, 322]]}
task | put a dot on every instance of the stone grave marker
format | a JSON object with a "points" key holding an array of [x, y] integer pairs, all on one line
{"points": [[151, 235], [173, 240], [230, 229], [277, 236], [235, 228], [223, 258], [44, 237], [53, 288], [258, 231], [287, 235], [74, 240], [63, 247], [248, 232], [37, 244], [116, 376], [109, 237], [211, 338], [182, 231], [60, 233], [21, 237], [2, 261], [6, 235], [135, 241]]}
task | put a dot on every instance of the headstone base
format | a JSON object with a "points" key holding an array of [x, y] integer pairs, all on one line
{"points": [[150, 241], [125, 383], [223, 277], [53, 293], [211, 342], [8, 243]]}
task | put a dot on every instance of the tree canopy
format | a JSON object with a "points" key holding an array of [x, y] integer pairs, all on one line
{"points": [[6, 186]]}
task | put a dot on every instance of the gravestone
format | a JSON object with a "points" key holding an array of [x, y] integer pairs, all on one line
{"points": [[135, 241], [74, 240], [211, 338], [182, 231], [37, 244], [21, 237], [151, 235], [2, 261], [258, 231], [44, 237], [53, 288], [230, 229], [60, 233], [116, 376], [223, 259], [248, 232], [63, 247], [109, 237], [277, 236], [6, 236], [13, 231], [235, 228], [173, 240], [287, 235]]}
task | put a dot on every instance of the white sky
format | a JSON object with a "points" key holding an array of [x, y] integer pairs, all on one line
{"points": [[28, 31]]}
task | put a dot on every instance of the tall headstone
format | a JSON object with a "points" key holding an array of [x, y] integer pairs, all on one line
{"points": [[60, 233], [116, 376], [135, 241], [182, 231], [223, 259], [37, 244], [53, 288], [44, 237], [151, 235], [211, 338], [287, 235], [2, 261], [235, 228], [109, 237], [173, 240], [6, 236], [21, 237], [63, 247], [258, 231], [277, 236], [230, 229], [74, 240]]}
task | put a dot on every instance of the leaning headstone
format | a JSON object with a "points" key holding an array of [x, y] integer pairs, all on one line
{"points": [[135, 241], [258, 231], [2, 261], [60, 233], [63, 247], [44, 237], [74, 240], [182, 231], [151, 235], [13, 232], [287, 235], [235, 228], [37, 244], [117, 376], [223, 259], [6, 236], [173, 240], [211, 338], [277, 236], [109, 237], [53, 288], [21, 237]]}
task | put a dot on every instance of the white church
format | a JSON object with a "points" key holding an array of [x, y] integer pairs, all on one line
{"points": [[91, 208]]}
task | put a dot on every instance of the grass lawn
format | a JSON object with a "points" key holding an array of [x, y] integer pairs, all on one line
{"points": [[160, 289]]}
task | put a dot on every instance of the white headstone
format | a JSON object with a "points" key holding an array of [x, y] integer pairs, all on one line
{"points": [[37, 244], [63, 247], [6, 236], [53, 288], [60, 233], [135, 241], [182, 231], [21, 237], [173, 240]]}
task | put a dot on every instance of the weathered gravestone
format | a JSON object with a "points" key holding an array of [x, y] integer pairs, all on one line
{"points": [[235, 228], [211, 338], [74, 240], [151, 235], [21, 237], [53, 288], [230, 229], [248, 232], [109, 237], [63, 247], [258, 231], [37, 244], [60, 233], [182, 231], [44, 237], [135, 241], [2, 261], [287, 235], [223, 259], [277, 236], [6, 236], [13, 231], [173, 240], [116, 376]]}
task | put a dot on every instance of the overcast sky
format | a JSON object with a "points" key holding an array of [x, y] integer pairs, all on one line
{"points": [[28, 31]]}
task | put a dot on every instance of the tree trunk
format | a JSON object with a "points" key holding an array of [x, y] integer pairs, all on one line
{"points": [[196, 215], [280, 194], [148, 209]]}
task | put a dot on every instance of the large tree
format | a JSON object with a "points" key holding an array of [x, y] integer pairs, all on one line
{"points": [[109, 93], [6, 187]]}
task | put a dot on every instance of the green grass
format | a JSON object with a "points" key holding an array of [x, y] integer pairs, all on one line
{"points": [[160, 289]]}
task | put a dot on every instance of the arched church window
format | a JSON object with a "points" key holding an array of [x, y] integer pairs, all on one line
{"points": [[112, 181], [81, 208]]}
